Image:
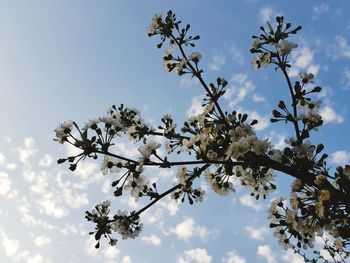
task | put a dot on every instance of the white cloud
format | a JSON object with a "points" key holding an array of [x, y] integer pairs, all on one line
{"points": [[196, 106], [152, 240], [292, 257], [46, 161], [237, 55], [330, 116], [126, 259], [5, 183], [266, 253], [278, 140], [256, 233], [11, 246], [2, 159], [322, 8], [196, 255], [263, 121], [11, 166], [346, 80], [302, 61], [341, 49], [189, 229], [241, 87], [217, 62], [249, 201], [188, 81], [42, 240], [89, 246], [340, 157], [268, 13], [258, 98], [111, 252], [233, 257], [49, 204], [28, 151], [35, 259]]}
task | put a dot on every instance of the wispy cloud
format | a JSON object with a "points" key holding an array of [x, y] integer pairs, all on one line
{"points": [[266, 253], [256, 233], [341, 157], [190, 229], [217, 62], [329, 115], [233, 257], [196, 255], [249, 201]]}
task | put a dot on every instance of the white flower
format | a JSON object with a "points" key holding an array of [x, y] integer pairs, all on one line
{"points": [[181, 65], [91, 124], [338, 244], [63, 130], [186, 144], [154, 24], [196, 56], [110, 164], [284, 47], [147, 150], [265, 59], [182, 174], [238, 148], [306, 78], [260, 146], [256, 43], [136, 185]]}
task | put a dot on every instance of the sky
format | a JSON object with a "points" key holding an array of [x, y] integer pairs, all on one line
{"points": [[72, 60]]}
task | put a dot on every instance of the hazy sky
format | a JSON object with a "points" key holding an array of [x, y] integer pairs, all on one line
{"points": [[62, 60]]}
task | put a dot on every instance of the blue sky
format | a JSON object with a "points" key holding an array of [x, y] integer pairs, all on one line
{"points": [[73, 59]]}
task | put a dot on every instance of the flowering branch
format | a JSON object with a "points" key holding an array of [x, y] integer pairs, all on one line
{"points": [[319, 201]]}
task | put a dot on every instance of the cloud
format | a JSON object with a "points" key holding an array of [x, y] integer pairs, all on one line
{"points": [[258, 98], [263, 121], [268, 13], [28, 151], [256, 233], [152, 240], [302, 61], [12, 247], [188, 82], [330, 116], [249, 201], [196, 255], [196, 106], [5, 184], [189, 229], [46, 161], [35, 259], [236, 55], [346, 80], [340, 157], [341, 48], [233, 257], [240, 89], [111, 252], [42, 240], [2, 159], [217, 62], [266, 253], [292, 257], [320, 9]]}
